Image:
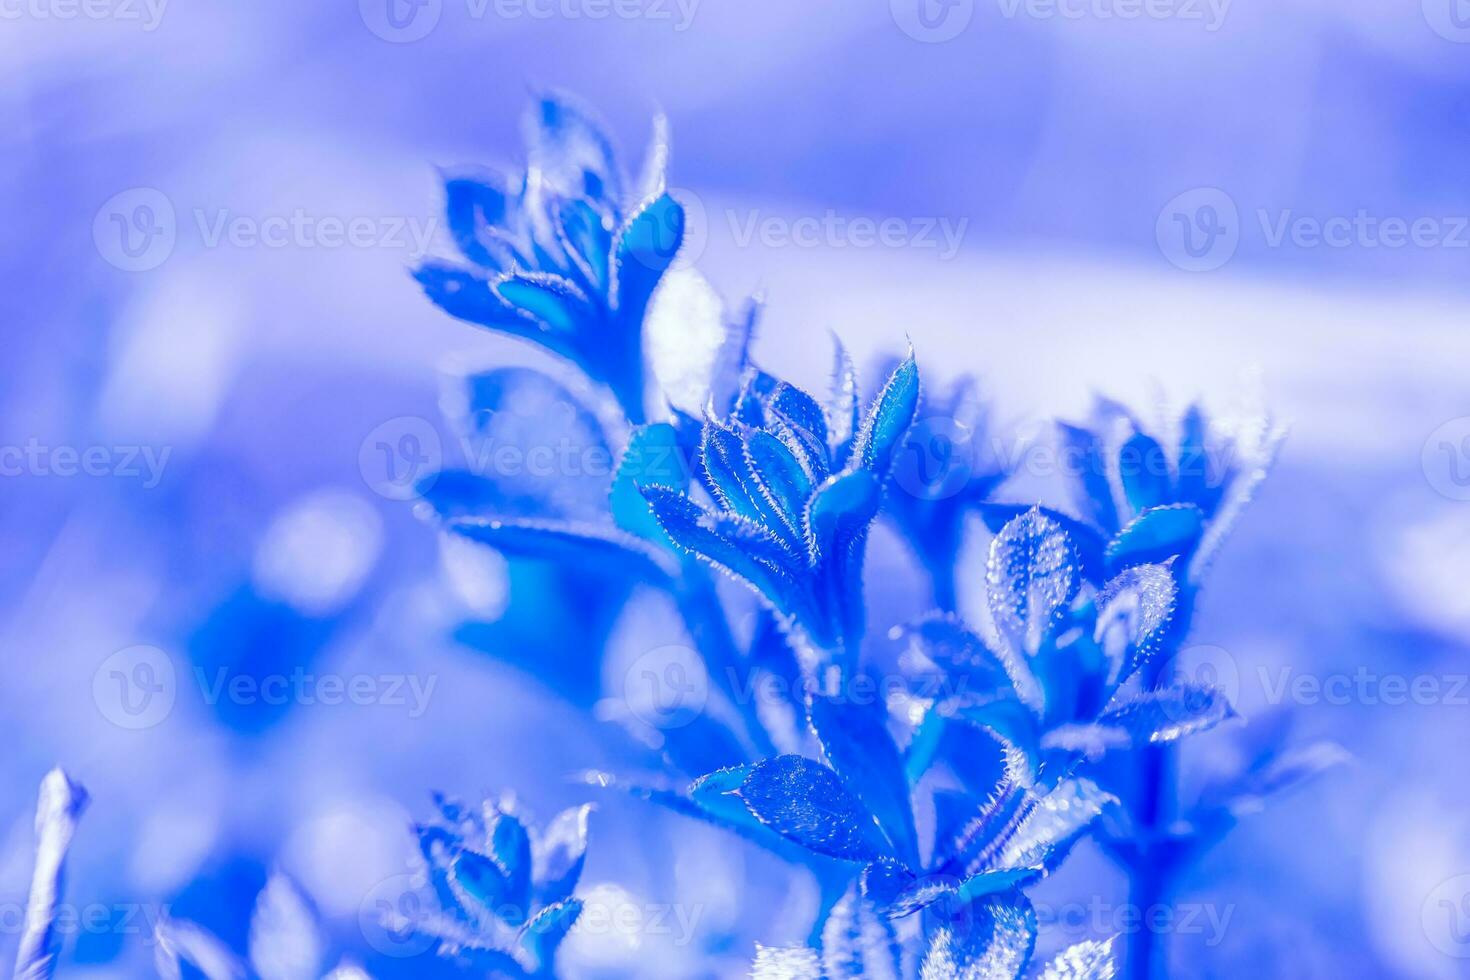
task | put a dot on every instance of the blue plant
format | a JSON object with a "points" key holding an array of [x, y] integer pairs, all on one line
{"points": [[563, 255], [793, 489], [1155, 512], [1055, 722], [504, 894]]}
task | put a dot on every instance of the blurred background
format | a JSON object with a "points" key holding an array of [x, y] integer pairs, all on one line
{"points": [[209, 328]]}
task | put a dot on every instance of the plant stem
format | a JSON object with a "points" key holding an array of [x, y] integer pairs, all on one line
{"points": [[1150, 876]]}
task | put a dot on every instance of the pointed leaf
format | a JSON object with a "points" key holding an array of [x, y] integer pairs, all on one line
{"points": [[800, 410], [472, 297], [1132, 612], [740, 548], [548, 299], [473, 208], [888, 422], [1154, 717], [1085, 538], [1093, 492], [1032, 575], [568, 148], [541, 936], [654, 458], [1058, 819], [1155, 536], [559, 853], [780, 479], [841, 509], [582, 545], [510, 847], [843, 408], [857, 743], [480, 886], [807, 804], [1143, 469], [646, 247]]}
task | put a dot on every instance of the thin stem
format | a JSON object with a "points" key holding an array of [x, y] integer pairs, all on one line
{"points": [[704, 618], [1151, 874]]}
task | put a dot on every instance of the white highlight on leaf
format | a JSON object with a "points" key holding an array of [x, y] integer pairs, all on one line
{"points": [[1088, 960], [284, 941], [785, 963], [1032, 574], [689, 346], [177, 942], [1057, 818]]}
